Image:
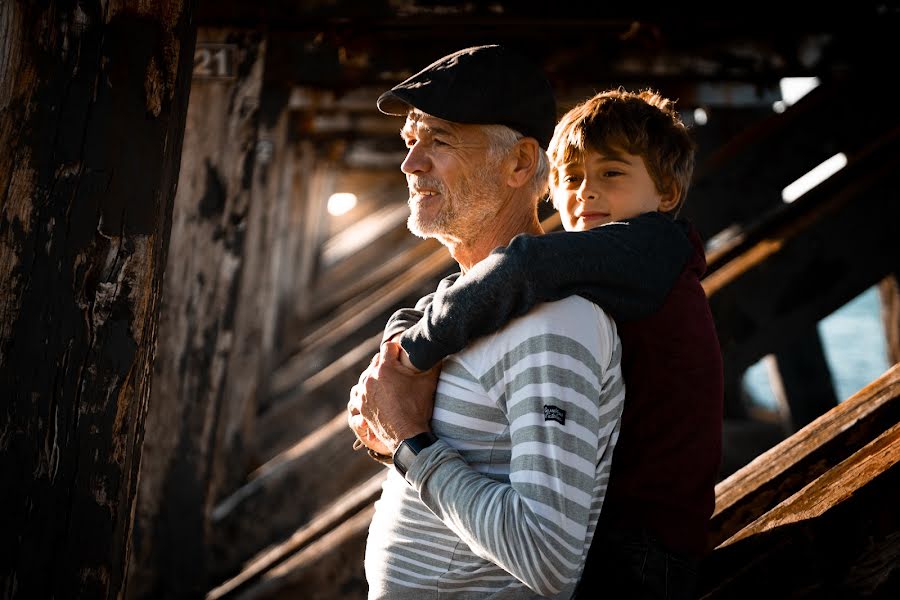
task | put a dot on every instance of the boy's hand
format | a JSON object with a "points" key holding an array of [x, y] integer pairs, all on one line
{"points": [[404, 360], [404, 357]]}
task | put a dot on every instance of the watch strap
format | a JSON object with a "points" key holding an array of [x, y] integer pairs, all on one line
{"points": [[409, 448]]}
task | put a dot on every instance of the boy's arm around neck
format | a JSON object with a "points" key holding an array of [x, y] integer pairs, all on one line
{"points": [[405, 318], [627, 268]]}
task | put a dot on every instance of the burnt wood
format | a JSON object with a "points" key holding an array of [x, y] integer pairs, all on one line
{"points": [[93, 99]]}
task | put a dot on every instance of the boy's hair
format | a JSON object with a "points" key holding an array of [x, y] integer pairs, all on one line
{"points": [[643, 123]]}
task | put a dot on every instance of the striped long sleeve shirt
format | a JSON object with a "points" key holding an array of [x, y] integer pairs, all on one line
{"points": [[505, 504]]}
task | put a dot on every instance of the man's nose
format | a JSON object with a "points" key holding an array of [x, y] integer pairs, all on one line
{"points": [[416, 161]]}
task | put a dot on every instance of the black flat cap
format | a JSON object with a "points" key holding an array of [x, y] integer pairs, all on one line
{"points": [[484, 85]]}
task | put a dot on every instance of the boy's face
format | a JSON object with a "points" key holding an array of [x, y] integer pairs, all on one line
{"points": [[604, 188]]}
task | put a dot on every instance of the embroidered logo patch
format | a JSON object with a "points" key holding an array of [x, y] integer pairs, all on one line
{"points": [[554, 413]]}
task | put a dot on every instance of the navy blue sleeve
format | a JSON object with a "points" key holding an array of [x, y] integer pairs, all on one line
{"points": [[627, 268], [405, 318]]}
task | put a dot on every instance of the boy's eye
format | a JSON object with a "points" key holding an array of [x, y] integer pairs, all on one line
{"points": [[572, 178], [612, 173]]}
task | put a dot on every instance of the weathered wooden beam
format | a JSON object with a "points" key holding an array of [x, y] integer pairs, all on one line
{"points": [[301, 411], [93, 98], [757, 164], [803, 377], [342, 284], [330, 567], [784, 469], [345, 44], [889, 291], [288, 490], [209, 249], [809, 260], [837, 537], [330, 518]]}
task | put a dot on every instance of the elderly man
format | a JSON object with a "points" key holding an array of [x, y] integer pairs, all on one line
{"points": [[495, 494]]}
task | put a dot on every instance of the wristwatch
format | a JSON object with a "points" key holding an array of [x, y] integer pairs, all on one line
{"points": [[409, 448]]}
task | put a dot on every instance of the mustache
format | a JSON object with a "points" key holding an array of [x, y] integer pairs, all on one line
{"points": [[419, 182]]}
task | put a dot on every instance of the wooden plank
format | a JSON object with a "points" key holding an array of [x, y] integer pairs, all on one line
{"points": [[335, 288], [329, 519], [328, 568], [288, 490], [783, 470], [323, 394], [838, 537]]}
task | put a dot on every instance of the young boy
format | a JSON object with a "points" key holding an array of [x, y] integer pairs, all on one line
{"points": [[621, 164]]}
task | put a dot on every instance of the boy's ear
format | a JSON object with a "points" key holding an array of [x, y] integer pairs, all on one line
{"points": [[525, 159], [669, 199]]}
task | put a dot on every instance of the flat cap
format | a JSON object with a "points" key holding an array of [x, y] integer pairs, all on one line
{"points": [[484, 85]]}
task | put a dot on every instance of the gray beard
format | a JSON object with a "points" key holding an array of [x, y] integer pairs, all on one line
{"points": [[466, 210]]}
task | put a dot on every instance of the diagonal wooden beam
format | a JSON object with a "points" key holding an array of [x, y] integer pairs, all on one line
{"points": [[783, 470], [837, 537], [331, 518], [810, 259]]}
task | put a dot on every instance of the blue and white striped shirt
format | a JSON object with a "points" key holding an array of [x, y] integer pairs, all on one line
{"points": [[505, 504]]}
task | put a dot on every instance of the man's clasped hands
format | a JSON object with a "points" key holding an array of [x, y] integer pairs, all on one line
{"points": [[392, 401]]}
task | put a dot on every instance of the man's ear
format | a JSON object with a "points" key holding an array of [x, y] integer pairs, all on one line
{"points": [[524, 158]]}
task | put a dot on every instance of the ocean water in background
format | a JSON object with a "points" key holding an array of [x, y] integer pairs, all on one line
{"points": [[855, 349]]}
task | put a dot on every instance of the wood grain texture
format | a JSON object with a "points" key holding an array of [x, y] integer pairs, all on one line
{"points": [[780, 472], [92, 112], [198, 329]]}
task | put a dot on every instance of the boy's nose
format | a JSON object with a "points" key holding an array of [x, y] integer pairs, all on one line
{"points": [[416, 161], [585, 192]]}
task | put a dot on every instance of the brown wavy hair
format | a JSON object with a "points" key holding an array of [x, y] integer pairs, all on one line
{"points": [[643, 123]]}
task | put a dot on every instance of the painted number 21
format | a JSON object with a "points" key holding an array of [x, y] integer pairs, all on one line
{"points": [[214, 61]]}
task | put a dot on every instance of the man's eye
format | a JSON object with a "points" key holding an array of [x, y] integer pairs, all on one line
{"points": [[410, 142], [438, 142]]}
